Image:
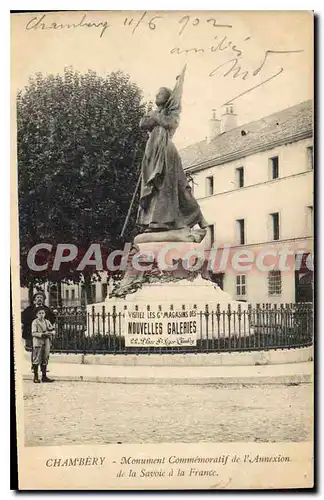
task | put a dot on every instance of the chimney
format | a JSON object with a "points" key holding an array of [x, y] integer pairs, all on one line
{"points": [[229, 119], [214, 127]]}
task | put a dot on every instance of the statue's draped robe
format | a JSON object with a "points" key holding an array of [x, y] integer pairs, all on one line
{"points": [[166, 200]]}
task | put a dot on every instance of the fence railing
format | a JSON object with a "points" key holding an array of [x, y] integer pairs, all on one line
{"points": [[264, 326]]}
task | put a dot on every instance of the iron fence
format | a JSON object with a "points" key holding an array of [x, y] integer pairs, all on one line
{"points": [[262, 327]]}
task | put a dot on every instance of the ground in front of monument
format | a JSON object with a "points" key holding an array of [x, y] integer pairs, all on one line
{"points": [[100, 413]]}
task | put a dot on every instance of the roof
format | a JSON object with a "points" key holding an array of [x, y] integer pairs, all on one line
{"points": [[289, 125]]}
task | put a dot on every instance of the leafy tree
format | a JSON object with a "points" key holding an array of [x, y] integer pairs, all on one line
{"points": [[77, 171]]}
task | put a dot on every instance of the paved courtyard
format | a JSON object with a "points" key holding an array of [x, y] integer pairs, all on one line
{"points": [[99, 413]]}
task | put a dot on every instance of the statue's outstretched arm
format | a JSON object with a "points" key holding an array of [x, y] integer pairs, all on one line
{"points": [[174, 102]]}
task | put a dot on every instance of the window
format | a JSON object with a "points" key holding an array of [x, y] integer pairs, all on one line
{"points": [[241, 285], [274, 283], [310, 158], [67, 294], [274, 226], [212, 234], [93, 293], [53, 296], [209, 185], [310, 220], [240, 231], [239, 172], [73, 294], [104, 291], [274, 167]]}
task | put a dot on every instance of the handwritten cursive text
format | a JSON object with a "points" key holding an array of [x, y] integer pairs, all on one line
{"points": [[37, 23]]}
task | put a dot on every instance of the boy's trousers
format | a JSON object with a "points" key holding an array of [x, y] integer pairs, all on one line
{"points": [[40, 353]]}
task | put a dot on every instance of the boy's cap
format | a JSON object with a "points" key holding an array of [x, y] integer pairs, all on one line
{"points": [[40, 309]]}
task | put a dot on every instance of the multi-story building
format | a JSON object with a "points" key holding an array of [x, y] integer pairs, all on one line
{"points": [[254, 183]]}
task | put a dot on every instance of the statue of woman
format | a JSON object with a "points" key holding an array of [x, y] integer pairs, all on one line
{"points": [[168, 210], [166, 199]]}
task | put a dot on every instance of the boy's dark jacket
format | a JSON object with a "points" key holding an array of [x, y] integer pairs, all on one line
{"points": [[28, 316]]}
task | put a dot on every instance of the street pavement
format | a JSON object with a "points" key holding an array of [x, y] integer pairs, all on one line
{"points": [[101, 413]]}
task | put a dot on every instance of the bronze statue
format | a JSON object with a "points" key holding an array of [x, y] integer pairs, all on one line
{"points": [[167, 210], [166, 201]]}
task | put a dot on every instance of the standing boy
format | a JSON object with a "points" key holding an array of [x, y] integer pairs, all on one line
{"points": [[41, 331]]}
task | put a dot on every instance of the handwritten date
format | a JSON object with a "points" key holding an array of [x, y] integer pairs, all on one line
{"points": [[145, 20]]}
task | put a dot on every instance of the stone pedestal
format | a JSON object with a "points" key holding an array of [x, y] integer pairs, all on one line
{"points": [[173, 283], [196, 291]]}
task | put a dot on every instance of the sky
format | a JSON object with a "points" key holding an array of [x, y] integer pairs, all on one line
{"points": [[227, 54]]}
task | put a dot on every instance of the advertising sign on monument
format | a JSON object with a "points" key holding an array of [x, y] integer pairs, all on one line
{"points": [[161, 327]]}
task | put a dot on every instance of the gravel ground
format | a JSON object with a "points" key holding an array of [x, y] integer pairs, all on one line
{"points": [[82, 413]]}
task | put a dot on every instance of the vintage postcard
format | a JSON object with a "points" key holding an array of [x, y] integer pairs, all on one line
{"points": [[162, 177]]}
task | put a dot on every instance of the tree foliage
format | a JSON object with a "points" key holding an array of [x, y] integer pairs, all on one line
{"points": [[76, 135]]}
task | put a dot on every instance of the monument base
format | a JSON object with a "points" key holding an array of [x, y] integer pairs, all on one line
{"points": [[160, 262], [172, 271], [194, 291], [170, 301], [173, 312]]}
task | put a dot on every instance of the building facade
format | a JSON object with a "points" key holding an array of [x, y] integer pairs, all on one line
{"points": [[254, 184]]}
